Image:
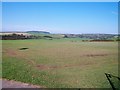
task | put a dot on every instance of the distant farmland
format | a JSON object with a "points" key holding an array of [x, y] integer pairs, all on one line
{"points": [[60, 63]]}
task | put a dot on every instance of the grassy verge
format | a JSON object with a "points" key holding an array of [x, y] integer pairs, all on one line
{"points": [[60, 63]]}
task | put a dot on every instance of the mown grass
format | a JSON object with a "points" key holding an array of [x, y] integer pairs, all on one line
{"points": [[60, 63], [0, 58]]}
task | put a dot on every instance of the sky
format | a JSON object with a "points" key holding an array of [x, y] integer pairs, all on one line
{"points": [[61, 17]]}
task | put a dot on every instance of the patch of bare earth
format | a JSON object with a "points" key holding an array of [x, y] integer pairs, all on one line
{"points": [[47, 67], [95, 55], [16, 84], [11, 53]]}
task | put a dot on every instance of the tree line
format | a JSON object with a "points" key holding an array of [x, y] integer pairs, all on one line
{"points": [[18, 37]]}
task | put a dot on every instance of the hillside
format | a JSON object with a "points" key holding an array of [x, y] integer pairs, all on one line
{"points": [[38, 32]]}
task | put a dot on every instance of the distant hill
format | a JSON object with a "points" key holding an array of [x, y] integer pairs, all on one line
{"points": [[38, 32]]}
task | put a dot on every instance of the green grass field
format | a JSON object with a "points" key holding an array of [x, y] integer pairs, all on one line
{"points": [[60, 63]]}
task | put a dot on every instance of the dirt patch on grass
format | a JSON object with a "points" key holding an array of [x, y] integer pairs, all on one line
{"points": [[99, 54], [95, 55], [11, 53], [47, 67], [40, 66]]}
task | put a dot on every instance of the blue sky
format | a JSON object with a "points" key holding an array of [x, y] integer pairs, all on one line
{"points": [[61, 17]]}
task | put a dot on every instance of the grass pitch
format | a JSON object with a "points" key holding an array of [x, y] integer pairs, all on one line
{"points": [[60, 63]]}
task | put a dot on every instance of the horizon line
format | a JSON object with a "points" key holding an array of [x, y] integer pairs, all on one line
{"points": [[53, 33]]}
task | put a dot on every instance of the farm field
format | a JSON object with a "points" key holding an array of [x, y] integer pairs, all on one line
{"points": [[60, 63]]}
